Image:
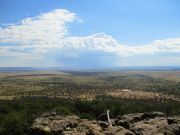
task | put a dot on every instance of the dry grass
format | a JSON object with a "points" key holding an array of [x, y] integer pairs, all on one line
{"points": [[88, 97], [7, 97], [166, 75], [31, 75], [141, 95], [9, 90]]}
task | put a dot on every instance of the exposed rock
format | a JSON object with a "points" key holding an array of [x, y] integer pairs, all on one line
{"points": [[91, 127], [154, 123], [103, 124], [118, 130], [53, 123], [149, 123], [152, 126], [74, 132]]}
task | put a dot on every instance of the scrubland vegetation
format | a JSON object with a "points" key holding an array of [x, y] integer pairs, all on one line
{"points": [[26, 95]]}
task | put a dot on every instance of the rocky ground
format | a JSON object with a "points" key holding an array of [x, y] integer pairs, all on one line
{"points": [[153, 123]]}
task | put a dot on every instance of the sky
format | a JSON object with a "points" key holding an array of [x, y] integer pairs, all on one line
{"points": [[89, 33]]}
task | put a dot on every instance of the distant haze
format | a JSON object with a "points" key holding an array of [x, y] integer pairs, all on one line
{"points": [[87, 69], [89, 34]]}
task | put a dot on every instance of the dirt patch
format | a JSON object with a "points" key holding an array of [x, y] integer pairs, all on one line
{"points": [[124, 93]]}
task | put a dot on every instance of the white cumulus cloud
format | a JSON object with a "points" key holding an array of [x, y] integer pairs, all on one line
{"points": [[48, 32], [41, 32]]}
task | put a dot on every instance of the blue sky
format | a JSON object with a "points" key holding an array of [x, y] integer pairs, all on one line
{"points": [[91, 33]]}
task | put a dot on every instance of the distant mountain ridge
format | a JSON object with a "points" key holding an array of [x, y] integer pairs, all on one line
{"points": [[158, 68]]}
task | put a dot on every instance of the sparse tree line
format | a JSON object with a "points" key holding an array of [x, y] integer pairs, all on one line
{"points": [[75, 85], [50, 94]]}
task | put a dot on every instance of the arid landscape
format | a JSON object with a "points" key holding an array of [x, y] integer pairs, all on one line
{"points": [[25, 95], [89, 67], [86, 85]]}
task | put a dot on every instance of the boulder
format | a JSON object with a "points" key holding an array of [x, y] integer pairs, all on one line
{"points": [[91, 127], [152, 123], [118, 130], [53, 123], [74, 132]]}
